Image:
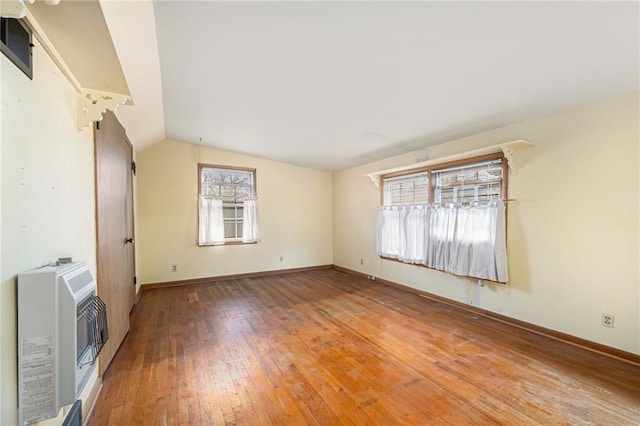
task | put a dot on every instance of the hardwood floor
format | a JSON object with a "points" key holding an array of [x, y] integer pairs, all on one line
{"points": [[323, 347]]}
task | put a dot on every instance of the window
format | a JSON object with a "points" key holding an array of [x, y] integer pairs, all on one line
{"points": [[472, 181], [228, 205], [232, 186], [449, 217], [407, 189], [15, 44]]}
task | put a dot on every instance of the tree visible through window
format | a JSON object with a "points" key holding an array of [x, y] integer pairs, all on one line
{"points": [[231, 186]]}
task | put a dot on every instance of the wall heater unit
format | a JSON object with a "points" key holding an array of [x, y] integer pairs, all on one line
{"points": [[62, 326]]}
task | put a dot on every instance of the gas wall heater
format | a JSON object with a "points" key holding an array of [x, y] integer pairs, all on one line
{"points": [[62, 327]]}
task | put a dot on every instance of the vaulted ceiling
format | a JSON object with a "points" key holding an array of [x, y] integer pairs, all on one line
{"points": [[330, 85]]}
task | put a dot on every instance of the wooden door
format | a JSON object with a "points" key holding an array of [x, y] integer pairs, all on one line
{"points": [[114, 210]]}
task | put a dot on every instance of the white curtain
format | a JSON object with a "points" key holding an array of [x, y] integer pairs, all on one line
{"points": [[390, 233], [211, 222], [468, 241], [442, 225], [415, 225], [250, 221], [402, 232]]}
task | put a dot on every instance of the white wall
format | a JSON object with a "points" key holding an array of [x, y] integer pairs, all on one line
{"points": [[47, 193], [295, 212], [572, 233]]}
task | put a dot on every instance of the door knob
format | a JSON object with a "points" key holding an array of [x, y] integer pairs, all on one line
{"points": [[128, 240]]}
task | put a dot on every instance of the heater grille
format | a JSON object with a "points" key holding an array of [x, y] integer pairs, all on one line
{"points": [[94, 313]]}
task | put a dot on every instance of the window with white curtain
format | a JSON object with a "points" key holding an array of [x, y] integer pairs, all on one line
{"points": [[449, 217], [227, 205]]}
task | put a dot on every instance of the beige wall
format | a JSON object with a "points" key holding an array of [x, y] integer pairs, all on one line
{"points": [[572, 234], [47, 193], [295, 213]]}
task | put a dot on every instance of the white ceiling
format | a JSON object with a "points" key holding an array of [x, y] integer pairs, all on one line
{"points": [[331, 85]]}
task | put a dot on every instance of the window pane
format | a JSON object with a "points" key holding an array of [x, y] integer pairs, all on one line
{"points": [[230, 230], [229, 212], [243, 192], [408, 189], [227, 192], [479, 182], [230, 185]]}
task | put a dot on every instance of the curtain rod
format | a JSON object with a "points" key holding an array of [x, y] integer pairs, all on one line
{"points": [[213, 197], [446, 204]]}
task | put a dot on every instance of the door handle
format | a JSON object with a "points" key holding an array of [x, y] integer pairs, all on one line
{"points": [[128, 240]]}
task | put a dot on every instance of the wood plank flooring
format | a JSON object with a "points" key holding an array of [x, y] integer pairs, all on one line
{"points": [[324, 347]]}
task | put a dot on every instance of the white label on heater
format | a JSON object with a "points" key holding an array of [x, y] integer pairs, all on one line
{"points": [[38, 387]]}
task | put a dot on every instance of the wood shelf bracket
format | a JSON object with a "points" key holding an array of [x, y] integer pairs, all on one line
{"points": [[509, 151], [375, 179], [92, 104]]}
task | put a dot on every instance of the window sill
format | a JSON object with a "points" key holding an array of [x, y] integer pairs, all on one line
{"points": [[420, 265], [228, 243]]}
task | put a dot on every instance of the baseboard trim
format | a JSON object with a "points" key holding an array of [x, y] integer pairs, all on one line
{"points": [[547, 332], [87, 406], [146, 287]]}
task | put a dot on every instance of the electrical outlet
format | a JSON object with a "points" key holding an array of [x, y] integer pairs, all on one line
{"points": [[174, 268], [281, 258], [607, 320], [362, 261]]}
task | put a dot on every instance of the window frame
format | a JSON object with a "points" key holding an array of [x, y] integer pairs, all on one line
{"points": [[451, 164], [431, 194], [230, 241]]}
